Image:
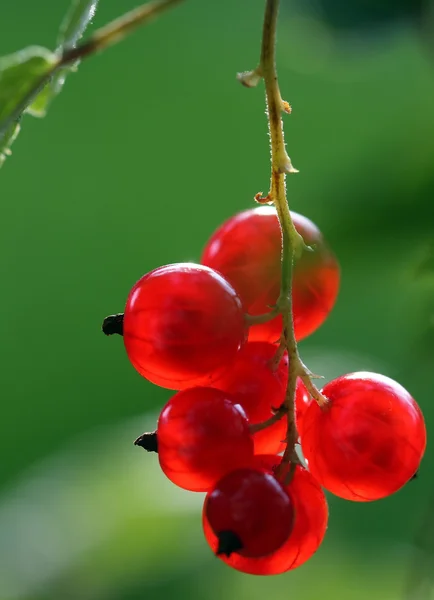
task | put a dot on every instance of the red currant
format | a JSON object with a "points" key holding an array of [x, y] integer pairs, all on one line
{"points": [[254, 384], [202, 434], [310, 525], [302, 401], [246, 249], [249, 512], [183, 325], [368, 440]]}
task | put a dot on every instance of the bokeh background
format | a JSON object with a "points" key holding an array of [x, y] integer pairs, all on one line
{"points": [[149, 147]]}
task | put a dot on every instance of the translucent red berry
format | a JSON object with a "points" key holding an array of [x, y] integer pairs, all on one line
{"points": [[183, 325], [246, 249], [302, 401], [369, 439], [259, 389], [202, 434], [249, 512], [310, 525]]}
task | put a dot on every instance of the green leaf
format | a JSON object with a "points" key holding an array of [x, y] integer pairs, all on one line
{"points": [[71, 30], [21, 75], [7, 139]]}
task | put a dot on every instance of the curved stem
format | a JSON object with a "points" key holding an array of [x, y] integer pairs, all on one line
{"points": [[273, 419], [291, 240], [264, 318], [312, 389]]}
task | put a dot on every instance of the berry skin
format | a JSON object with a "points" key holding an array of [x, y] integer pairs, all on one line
{"points": [[183, 325], [259, 389], [369, 439], [246, 250], [249, 512], [202, 434], [302, 401], [310, 525]]}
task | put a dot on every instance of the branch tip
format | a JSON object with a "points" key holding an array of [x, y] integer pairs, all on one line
{"points": [[114, 32]]}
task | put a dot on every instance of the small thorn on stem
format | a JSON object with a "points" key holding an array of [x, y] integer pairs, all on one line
{"points": [[113, 324], [287, 167], [228, 542], [260, 199], [250, 79], [286, 107], [148, 441]]}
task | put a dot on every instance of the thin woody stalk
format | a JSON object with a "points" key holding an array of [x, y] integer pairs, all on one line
{"points": [[292, 242], [280, 166]]}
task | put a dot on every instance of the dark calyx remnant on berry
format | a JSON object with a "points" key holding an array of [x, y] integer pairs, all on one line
{"points": [[113, 324], [148, 441], [415, 476], [229, 542]]}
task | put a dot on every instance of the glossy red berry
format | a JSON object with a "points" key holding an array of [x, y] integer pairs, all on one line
{"points": [[369, 439], [310, 525], [249, 512], [183, 324], [259, 389], [302, 401], [202, 434], [246, 249]]}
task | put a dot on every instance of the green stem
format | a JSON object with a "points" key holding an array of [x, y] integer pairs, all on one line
{"points": [[263, 318], [291, 240], [312, 389], [273, 419], [116, 31]]}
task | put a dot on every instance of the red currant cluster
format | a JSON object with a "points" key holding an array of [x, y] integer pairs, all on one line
{"points": [[189, 327]]}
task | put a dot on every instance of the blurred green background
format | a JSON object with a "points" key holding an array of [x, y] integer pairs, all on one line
{"points": [[148, 148]]}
